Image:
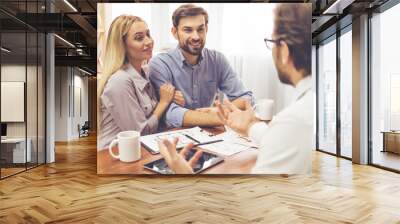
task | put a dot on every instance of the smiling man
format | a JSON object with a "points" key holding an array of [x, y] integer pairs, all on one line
{"points": [[199, 73]]}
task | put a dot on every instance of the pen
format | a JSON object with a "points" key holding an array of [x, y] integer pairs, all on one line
{"points": [[206, 143], [188, 136]]}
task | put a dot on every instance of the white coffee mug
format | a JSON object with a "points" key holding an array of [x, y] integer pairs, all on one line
{"points": [[128, 146], [264, 109]]}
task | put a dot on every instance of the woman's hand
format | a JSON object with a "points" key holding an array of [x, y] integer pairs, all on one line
{"points": [[166, 93], [179, 99]]}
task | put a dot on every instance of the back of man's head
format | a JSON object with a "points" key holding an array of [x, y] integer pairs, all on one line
{"points": [[292, 24]]}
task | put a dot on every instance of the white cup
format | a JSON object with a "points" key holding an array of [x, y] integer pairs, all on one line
{"points": [[264, 109], [128, 146]]}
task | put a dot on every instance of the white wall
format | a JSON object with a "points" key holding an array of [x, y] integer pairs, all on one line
{"points": [[69, 85], [80, 100], [33, 127], [16, 72], [61, 103], [82, 83]]}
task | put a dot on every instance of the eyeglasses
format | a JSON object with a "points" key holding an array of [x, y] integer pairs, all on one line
{"points": [[270, 42]]}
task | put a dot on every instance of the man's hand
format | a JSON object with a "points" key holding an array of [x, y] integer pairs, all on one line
{"points": [[177, 162], [236, 119]]}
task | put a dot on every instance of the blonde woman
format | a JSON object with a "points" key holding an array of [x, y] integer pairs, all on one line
{"points": [[127, 100]]}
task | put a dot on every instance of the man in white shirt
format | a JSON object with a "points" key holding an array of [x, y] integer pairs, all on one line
{"points": [[285, 143]]}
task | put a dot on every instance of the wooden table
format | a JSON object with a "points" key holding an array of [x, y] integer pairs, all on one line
{"points": [[240, 163]]}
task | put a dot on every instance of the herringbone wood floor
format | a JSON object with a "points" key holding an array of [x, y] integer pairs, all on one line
{"points": [[70, 191]]}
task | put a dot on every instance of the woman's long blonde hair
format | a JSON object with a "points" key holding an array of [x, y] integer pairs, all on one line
{"points": [[115, 53]]}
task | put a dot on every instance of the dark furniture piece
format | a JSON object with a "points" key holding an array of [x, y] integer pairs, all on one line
{"points": [[84, 130], [391, 141], [3, 129]]}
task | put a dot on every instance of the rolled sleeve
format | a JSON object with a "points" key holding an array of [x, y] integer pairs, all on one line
{"points": [[249, 98], [257, 131], [230, 83], [174, 116]]}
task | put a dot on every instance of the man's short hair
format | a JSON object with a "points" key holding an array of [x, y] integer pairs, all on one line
{"points": [[187, 10], [293, 25]]}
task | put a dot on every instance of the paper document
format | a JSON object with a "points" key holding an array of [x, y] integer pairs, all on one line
{"points": [[233, 137], [224, 148], [196, 135], [232, 143]]}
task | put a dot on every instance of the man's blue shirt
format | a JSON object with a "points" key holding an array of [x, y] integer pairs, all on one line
{"points": [[199, 83]]}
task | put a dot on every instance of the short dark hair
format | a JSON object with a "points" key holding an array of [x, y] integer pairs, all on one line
{"points": [[188, 10], [293, 25]]}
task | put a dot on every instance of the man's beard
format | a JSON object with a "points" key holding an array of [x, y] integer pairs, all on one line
{"points": [[192, 50], [283, 77]]}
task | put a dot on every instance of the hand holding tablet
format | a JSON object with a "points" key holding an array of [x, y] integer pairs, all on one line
{"points": [[185, 161]]}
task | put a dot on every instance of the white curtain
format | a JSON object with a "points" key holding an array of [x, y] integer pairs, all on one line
{"points": [[235, 29]]}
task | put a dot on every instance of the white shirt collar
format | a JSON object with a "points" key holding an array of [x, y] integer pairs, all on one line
{"points": [[302, 87]]}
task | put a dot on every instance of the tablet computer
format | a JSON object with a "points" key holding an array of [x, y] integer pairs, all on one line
{"points": [[206, 161]]}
